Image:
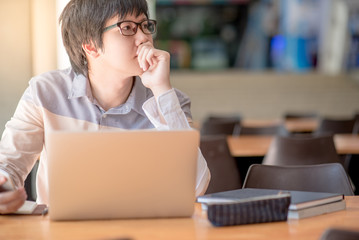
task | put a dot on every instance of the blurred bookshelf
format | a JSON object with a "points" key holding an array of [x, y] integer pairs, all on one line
{"points": [[260, 35], [352, 63], [201, 34], [199, 2]]}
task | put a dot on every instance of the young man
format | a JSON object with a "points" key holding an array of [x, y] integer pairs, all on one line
{"points": [[117, 80]]}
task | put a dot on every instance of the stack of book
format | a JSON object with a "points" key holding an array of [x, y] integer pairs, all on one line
{"points": [[303, 204]]}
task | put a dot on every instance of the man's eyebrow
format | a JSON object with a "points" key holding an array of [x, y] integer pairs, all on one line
{"points": [[141, 20], [124, 19]]}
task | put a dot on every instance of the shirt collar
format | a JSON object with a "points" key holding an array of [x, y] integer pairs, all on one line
{"points": [[139, 94], [80, 87]]}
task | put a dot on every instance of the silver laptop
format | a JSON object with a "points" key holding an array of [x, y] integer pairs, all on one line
{"points": [[122, 174]]}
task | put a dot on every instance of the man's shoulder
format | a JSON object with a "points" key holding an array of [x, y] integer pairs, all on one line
{"points": [[54, 76], [49, 85]]}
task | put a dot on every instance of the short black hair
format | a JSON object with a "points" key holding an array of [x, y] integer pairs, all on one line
{"points": [[83, 21]]}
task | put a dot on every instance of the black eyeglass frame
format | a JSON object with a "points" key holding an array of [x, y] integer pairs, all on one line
{"points": [[138, 24]]}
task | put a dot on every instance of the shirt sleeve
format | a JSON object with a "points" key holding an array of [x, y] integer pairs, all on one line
{"points": [[166, 113], [22, 140]]}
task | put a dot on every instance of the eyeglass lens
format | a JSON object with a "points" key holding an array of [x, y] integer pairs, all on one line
{"points": [[129, 28]]}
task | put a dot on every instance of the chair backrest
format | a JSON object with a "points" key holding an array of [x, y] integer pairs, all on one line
{"points": [[298, 115], [301, 150], [218, 128], [333, 126], [329, 177], [356, 116], [338, 233], [223, 167], [265, 130], [223, 118], [218, 124], [356, 127], [30, 183]]}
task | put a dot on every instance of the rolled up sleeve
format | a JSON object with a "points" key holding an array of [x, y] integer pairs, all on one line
{"points": [[166, 113]]}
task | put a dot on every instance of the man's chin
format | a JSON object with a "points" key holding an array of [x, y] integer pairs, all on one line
{"points": [[139, 71]]}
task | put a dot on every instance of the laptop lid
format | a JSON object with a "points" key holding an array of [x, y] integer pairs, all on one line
{"points": [[122, 174]]}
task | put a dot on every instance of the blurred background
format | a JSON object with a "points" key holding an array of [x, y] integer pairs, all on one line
{"points": [[256, 58]]}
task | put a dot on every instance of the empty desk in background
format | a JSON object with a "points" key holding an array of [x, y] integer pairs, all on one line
{"points": [[197, 227], [292, 125], [301, 125], [257, 146]]}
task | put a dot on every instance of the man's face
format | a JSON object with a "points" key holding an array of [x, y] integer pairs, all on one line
{"points": [[119, 51]]}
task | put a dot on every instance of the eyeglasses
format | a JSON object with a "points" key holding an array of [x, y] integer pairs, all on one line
{"points": [[129, 28]]}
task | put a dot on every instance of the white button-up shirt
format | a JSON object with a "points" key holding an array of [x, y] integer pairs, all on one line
{"points": [[62, 100]]}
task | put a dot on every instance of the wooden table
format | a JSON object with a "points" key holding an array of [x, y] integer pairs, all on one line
{"points": [[292, 125], [197, 227], [301, 125], [257, 145]]}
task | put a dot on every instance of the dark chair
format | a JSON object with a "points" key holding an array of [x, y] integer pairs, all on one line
{"points": [[329, 177], [30, 183], [339, 234], [224, 172], [221, 125], [336, 126], [353, 162], [218, 128], [301, 150], [299, 115], [295, 118], [356, 127], [265, 130], [333, 126], [223, 118]]}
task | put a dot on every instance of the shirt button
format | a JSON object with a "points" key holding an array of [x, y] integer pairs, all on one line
{"points": [[104, 116]]}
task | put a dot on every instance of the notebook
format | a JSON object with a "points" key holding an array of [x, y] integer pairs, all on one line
{"points": [[122, 174], [303, 204]]}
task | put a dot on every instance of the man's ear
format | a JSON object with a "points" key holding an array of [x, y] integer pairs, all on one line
{"points": [[90, 50]]}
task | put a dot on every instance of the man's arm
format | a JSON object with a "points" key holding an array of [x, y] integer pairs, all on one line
{"points": [[164, 109], [174, 118], [20, 146]]}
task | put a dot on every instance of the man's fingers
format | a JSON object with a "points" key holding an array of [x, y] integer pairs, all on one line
{"points": [[2, 180], [150, 57], [9, 196], [11, 207], [142, 58], [145, 55], [12, 200]]}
